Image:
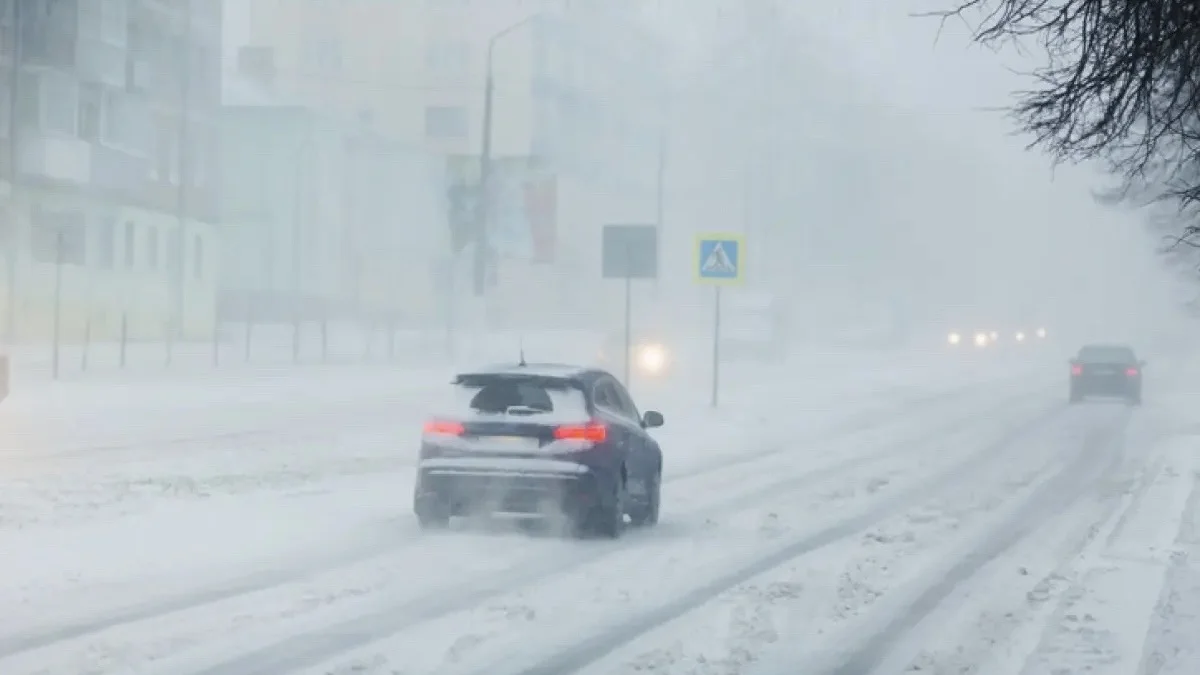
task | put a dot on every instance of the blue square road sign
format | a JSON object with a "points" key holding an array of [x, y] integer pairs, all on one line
{"points": [[719, 258]]}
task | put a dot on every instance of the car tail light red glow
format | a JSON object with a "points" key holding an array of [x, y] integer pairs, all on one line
{"points": [[1076, 370], [444, 428], [594, 432], [1131, 372]]}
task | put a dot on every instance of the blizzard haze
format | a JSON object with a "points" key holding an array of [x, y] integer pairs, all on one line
{"points": [[883, 463], [864, 157]]}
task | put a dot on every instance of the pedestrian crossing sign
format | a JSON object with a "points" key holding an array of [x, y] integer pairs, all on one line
{"points": [[719, 258]]}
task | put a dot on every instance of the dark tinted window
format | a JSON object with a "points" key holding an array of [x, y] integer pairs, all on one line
{"points": [[499, 397], [517, 396], [1106, 354]]}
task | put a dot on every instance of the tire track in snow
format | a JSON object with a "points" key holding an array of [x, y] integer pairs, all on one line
{"points": [[871, 419], [985, 635], [597, 646], [332, 640], [1049, 500]]}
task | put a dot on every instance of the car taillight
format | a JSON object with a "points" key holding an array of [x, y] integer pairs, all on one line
{"points": [[594, 432], [444, 428], [1131, 372], [1076, 370]]}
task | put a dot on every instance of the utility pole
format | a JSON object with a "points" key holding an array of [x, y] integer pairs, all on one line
{"points": [[14, 157], [181, 204], [299, 201], [485, 172], [482, 244]]}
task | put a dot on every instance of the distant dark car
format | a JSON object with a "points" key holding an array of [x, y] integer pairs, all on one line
{"points": [[541, 439], [1106, 370]]}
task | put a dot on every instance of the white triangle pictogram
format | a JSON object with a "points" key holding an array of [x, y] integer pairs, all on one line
{"points": [[718, 261]]}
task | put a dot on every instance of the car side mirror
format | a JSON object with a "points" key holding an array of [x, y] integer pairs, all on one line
{"points": [[652, 419]]}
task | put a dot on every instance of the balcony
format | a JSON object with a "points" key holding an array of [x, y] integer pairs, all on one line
{"points": [[114, 170], [99, 61], [55, 158]]}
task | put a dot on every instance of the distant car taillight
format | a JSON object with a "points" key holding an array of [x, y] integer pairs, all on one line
{"points": [[594, 432], [1131, 372], [1076, 370], [444, 428]]}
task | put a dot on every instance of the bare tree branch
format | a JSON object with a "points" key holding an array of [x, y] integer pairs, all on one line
{"points": [[1120, 85]]}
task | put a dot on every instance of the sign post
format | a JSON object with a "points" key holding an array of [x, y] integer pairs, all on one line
{"points": [[629, 252], [719, 262]]}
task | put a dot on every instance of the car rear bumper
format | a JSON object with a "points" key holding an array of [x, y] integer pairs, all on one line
{"points": [[1106, 387], [464, 486]]}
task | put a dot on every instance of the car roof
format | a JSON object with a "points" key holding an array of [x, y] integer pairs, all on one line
{"points": [[561, 371], [1106, 346]]}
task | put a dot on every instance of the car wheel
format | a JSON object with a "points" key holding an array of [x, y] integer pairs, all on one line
{"points": [[608, 520], [432, 515], [646, 514]]}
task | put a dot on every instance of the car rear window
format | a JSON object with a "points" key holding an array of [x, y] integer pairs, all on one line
{"points": [[1106, 354], [519, 398]]}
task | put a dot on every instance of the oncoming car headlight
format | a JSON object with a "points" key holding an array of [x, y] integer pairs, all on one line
{"points": [[954, 338], [1020, 337], [981, 339], [1041, 332], [652, 358]]}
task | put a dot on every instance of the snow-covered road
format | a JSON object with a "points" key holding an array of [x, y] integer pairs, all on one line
{"points": [[883, 522]]}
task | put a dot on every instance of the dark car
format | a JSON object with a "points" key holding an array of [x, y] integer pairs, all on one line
{"points": [[1106, 370], [541, 439]]}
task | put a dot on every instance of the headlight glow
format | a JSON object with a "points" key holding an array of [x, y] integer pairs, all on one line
{"points": [[1041, 332], [981, 339], [652, 358], [954, 338], [1020, 337]]}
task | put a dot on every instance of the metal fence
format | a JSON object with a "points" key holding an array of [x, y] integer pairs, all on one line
{"points": [[237, 346]]}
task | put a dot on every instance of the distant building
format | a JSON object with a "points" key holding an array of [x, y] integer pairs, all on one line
{"points": [[575, 129], [326, 218], [112, 144]]}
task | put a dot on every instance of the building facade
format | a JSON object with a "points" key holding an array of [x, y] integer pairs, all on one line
{"points": [[107, 139], [327, 218], [575, 127]]}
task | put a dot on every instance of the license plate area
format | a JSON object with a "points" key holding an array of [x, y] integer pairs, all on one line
{"points": [[505, 443]]}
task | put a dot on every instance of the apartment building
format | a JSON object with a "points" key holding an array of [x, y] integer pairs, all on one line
{"points": [[106, 139]]}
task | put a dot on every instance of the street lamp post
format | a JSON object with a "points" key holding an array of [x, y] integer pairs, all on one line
{"points": [[14, 157], [482, 243]]}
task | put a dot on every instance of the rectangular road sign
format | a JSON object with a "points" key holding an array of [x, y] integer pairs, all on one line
{"points": [[720, 258], [629, 252]]}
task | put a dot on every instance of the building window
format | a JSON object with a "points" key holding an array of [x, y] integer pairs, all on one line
{"points": [[198, 257], [109, 19], [174, 251], [125, 123], [165, 167], [445, 122], [58, 102], [106, 242], [152, 247], [323, 55], [58, 237], [199, 143], [450, 59], [130, 245], [90, 112]]}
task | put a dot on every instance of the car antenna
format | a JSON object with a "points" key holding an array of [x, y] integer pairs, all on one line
{"points": [[521, 350]]}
